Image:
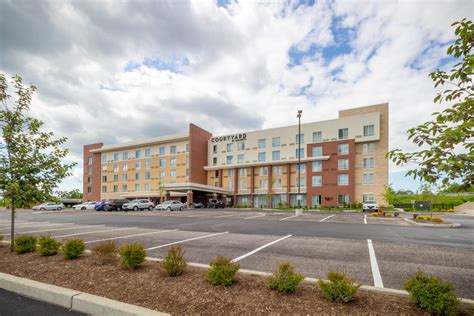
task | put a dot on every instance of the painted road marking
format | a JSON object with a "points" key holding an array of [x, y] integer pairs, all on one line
{"points": [[34, 225], [365, 219], [50, 230], [95, 231], [285, 218], [228, 215], [375, 267], [259, 248], [134, 235], [326, 218], [256, 216], [186, 240]]}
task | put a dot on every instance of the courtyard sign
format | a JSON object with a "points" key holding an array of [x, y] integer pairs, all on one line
{"points": [[232, 138]]}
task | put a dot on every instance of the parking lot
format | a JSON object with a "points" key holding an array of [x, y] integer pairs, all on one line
{"points": [[373, 251]]}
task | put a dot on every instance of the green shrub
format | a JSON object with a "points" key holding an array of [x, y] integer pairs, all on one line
{"points": [[25, 243], [285, 280], [174, 263], [132, 255], [432, 295], [222, 271], [48, 246], [1, 239], [437, 219], [338, 288], [105, 252], [375, 214], [73, 248], [389, 215]]}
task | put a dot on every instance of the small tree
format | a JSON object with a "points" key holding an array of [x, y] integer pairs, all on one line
{"points": [[161, 190], [388, 194], [30, 159]]}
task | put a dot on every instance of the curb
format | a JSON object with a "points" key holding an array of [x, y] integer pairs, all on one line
{"points": [[71, 299], [453, 225]]}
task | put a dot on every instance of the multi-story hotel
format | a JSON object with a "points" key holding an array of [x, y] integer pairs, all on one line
{"points": [[342, 161]]}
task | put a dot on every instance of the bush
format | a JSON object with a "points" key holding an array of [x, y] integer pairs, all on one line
{"points": [[285, 280], [450, 210], [174, 263], [375, 214], [105, 252], [25, 243], [389, 215], [222, 271], [48, 246], [73, 248], [132, 255], [432, 295], [437, 219], [338, 288]]}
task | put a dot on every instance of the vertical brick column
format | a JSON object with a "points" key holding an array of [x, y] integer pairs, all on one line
{"points": [[252, 185], [189, 198], [270, 186], [288, 183], [236, 185]]}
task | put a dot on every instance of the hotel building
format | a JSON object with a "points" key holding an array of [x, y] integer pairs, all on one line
{"points": [[342, 161]]}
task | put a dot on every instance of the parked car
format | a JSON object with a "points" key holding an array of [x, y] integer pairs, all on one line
{"points": [[370, 207], [215, 204], [114, 205], [198, 205], [100, 206], [49, 206], [138, 205], [171, 205], [85, 206]]}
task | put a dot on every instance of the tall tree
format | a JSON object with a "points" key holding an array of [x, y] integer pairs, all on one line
{"points": [[446, 143], [30, 159]]}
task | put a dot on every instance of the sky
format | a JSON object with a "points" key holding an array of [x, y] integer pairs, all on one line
{"points": [[115, 71]]}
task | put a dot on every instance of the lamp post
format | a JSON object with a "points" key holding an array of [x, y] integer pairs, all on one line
{"points": [[298, 197]]}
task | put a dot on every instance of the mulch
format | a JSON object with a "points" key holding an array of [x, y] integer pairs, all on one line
{"points": [[190, 293]]}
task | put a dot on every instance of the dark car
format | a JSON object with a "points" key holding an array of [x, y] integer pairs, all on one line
{"points": [[114, 205], [215, 204], [198, 205], [100, 206]]}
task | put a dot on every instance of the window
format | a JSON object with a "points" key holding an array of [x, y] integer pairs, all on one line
{"points": [[343, 179], [243, 172], [147, 175], [276, 170], [263, 171], [89, 180], [147, 152], [301, 181], [173, 173], [104, 178], [276, 183], [116, 167], [125, 167], [240, 158], [89, 189], [343, 164], [229, 147], [162, 150], [173, 149], [104, 189], [162, 163], [187, 172], [89, 169], [343, 149], [173, 162], [138, 154], [298, 138], [124, 188], [262, 156], [125, 155], [276, 142], [147, 187], [230, 172], [214, 149], [317, 166], [276, 155], [368, 163], [115, 187], [138, 165], [89, 160], [240, 145], [124, 177], [300, 153], [317, 137], [115, 177], [137, 176], [317, 181], [187, 161], [368, 149], [104, 158], [368, 197], [162, 174], [187, 147], [302, 168], [262, 143], [342, 199], [263, 183], [229, 159], [214, 161], [343, 133], [316, 200], [137, 187], [230, 185], [116, 157], [368, 178], [147, 164], [242, 184], [317, 151], [368, 130]]}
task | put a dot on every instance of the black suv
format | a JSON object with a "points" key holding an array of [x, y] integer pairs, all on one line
{"points": [[215, 204], [114, 205]]}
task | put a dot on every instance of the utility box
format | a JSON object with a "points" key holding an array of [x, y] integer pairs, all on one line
{"points": [[422, 205]]}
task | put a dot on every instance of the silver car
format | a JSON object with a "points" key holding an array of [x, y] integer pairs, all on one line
{"points": [[138, 205], [85, 206], [49, 206], [171, 205]]}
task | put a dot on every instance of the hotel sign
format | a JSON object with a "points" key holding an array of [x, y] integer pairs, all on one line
{"points": [[229, 138]]}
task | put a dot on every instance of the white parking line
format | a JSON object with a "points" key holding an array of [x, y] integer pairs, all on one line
{"points": [[95, 231], [326, 218], [255, 216], [50, 230], [365, 219], [134, 235], [285, 218], [186, 240], [375, 267], [34, 225], [259, 248], [228, 215]]}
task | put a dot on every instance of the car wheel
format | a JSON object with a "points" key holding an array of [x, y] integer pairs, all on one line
{"points": [[42, 209], [150, 208], [181, 208], [135, 208], [169, 209], [58, 209], [83, 208]]}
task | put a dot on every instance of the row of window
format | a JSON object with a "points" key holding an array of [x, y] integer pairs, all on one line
{"points": [[138, 153], [138, 165], [147, 175], [125, 188], [281, 199]]}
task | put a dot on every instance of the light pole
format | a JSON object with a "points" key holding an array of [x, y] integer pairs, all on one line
{"points": [[298, 197]]}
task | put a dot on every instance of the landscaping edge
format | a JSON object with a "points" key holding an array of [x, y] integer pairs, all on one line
{"points": [[452, 225]]}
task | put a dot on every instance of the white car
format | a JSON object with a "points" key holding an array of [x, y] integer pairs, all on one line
{"points": [[49, 206], [171, 205], [138, 205], [370, 207], [85, 206]]}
